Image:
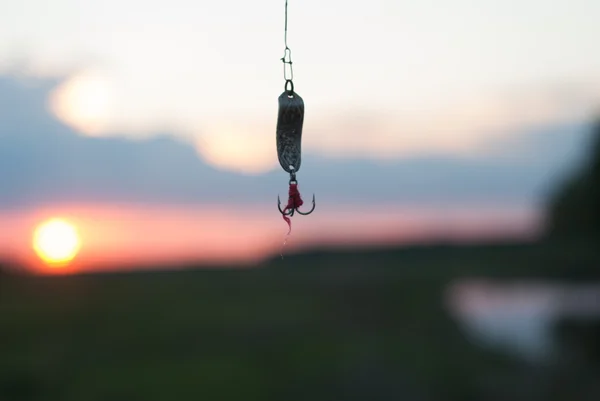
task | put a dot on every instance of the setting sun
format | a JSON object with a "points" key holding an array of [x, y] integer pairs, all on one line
{"points": [[56, 242]]}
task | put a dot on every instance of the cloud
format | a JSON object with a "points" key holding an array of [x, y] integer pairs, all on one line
{"points": [[464, 126], [92, 101], [45, 161]]}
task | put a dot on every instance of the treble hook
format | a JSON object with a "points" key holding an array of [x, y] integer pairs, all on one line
{"points": [[290, 211], [294, 201]]}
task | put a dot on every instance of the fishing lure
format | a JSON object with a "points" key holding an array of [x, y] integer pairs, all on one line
{"points": [[289, 135]]}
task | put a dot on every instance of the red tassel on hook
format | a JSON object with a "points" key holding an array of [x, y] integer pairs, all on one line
{"points": [[294, 202]]}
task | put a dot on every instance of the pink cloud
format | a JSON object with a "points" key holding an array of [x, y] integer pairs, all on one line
{"points": [[117, 236]]}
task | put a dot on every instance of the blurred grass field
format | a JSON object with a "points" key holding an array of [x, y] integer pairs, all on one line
{"points": [[323, 325]]}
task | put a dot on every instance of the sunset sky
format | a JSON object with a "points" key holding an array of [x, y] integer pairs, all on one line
{"points": [[150, 125]]}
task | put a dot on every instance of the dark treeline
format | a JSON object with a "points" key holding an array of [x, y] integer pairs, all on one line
{"points": [[575, 208]]}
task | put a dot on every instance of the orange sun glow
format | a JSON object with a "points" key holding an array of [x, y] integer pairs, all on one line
{"points": [[56, 242]]}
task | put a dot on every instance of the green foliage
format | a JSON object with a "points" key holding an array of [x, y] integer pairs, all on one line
{"points": [[368, 325]]}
